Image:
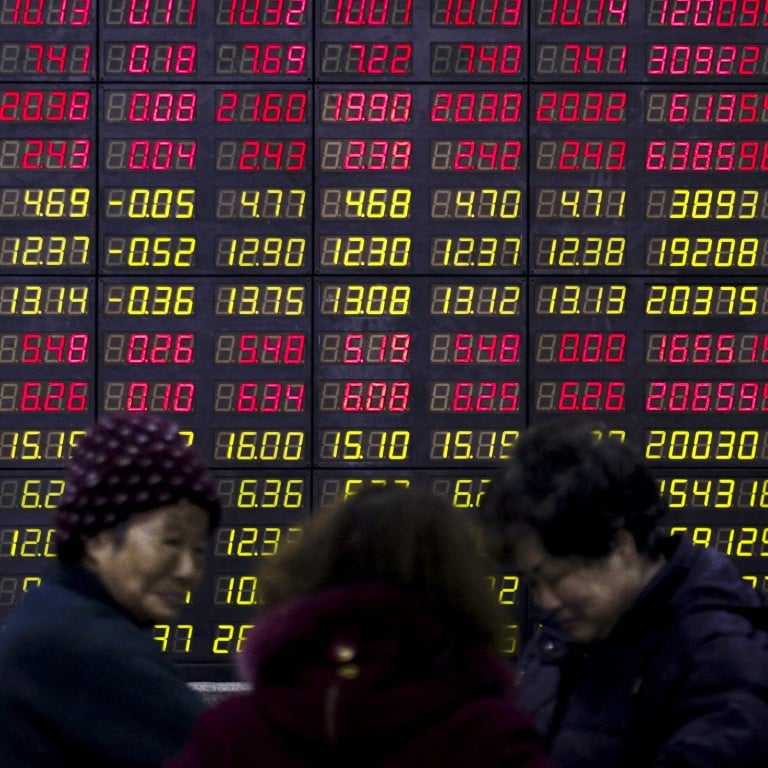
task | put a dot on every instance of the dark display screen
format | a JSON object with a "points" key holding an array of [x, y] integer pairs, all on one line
{"points": [[352, 240]]}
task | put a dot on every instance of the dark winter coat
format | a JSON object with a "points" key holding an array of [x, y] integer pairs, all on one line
{"points": [[82, 684], [682, 680], [362, 676]]}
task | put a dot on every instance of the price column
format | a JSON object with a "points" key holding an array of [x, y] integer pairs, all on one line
{"points": [[152, 176], [705, 205], [365, 207], [583, 341], [580, 328], [47, 254], [47, 226], [261, 345], [476, 385]]}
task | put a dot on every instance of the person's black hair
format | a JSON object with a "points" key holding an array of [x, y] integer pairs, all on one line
{"points": [[575, 487]]}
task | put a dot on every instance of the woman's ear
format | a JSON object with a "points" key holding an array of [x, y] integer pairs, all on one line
{"points": [[98, 547]]}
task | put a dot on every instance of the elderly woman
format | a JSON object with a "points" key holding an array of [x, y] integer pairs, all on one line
{"points": [[82, 682]]}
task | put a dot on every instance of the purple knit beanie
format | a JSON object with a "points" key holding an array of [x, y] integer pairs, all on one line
{"points": [[125, 464]]}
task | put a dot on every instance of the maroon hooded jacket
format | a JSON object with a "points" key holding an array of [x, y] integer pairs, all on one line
{"points": [[364, 676]]}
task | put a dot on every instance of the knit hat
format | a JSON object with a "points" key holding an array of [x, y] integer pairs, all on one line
{"points": [[125, 464]]}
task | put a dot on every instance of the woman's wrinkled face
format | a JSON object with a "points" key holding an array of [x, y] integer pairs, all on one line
{"points": [[585, 596], [151, 565]]}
